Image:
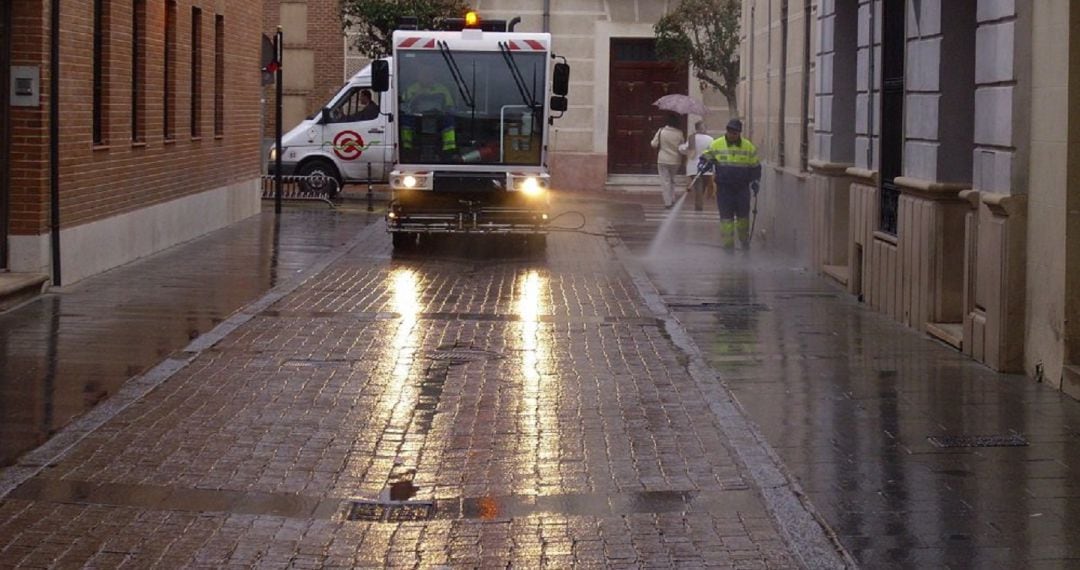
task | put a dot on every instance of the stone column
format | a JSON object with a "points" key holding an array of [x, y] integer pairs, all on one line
{"points": [[994, 327]]}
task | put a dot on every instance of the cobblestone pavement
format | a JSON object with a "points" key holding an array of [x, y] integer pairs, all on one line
{"points": [[850, 401], [470, 406]]}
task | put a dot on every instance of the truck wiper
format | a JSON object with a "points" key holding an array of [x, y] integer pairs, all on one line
{"points": [[455, 71], [515, 71]]}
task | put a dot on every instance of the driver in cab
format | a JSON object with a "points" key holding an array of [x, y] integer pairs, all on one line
{"points": [[424, 96]]}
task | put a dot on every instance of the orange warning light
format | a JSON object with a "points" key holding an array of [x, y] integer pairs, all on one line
{"points": [[472, 19]]}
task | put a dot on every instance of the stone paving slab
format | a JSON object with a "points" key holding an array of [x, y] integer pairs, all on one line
{"points": [[569, 434]]}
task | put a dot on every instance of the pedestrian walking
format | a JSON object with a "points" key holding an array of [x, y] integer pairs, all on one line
{"points": [[735, 163], [668, 159], [695, 145]]}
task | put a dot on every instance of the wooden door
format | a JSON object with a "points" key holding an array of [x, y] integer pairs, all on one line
{"points": [[638, 79]]}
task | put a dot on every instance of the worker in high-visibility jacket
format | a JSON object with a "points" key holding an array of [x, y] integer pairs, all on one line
{"points": [[425, 96], [734, 161]]}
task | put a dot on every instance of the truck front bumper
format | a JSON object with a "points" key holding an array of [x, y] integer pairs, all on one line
{"points": [[478, 221], [429, 212]]}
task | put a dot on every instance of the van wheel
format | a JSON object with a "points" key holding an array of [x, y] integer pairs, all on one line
{"points": [[325, 178], [403, 240]]}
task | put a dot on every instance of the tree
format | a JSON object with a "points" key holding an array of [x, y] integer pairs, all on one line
{"points": [[705, 33], [374, 21]]}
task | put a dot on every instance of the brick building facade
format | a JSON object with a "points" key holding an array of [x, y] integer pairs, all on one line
{"points": [[314, 57], [158, 129]]}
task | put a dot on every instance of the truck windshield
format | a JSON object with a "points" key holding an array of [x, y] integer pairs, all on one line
{"points": [[465, 107]]}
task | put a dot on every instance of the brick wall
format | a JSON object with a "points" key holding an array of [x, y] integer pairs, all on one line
{"points": [[28, 158], [325, 37], [118, 176]]}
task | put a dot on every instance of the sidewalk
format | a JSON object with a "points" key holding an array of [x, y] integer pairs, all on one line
{"points": [[850, 400], [72, 348]]}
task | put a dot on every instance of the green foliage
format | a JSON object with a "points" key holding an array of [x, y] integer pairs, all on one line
{"points": [[374, 21], [705, 34]]}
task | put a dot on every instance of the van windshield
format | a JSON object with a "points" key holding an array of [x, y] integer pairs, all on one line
{"points": [[465, 107]]}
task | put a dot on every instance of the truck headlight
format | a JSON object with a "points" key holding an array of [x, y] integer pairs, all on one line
{"points": [[531, 186], [409, 181], [273, 153]]}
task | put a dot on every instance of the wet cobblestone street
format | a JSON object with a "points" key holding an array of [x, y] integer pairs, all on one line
{"points": [[317, 400], [531, 406]]}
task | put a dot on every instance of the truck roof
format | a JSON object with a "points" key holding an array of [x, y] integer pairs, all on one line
{"points": [[471, 40]]}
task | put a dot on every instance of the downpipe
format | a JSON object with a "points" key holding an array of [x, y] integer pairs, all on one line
{"points": [[54, 139]]}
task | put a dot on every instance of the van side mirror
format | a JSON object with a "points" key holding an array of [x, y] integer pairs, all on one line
{"points": [[380, 75], [558, 104], [324, 117], [560, 81]]}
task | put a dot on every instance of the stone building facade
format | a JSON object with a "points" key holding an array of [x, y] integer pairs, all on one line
{"points": [[937, 187], [158, 129]]}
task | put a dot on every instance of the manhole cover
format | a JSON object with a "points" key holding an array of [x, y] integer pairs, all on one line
{"points": [[1010, 440], [374, 511], [461, 355]]}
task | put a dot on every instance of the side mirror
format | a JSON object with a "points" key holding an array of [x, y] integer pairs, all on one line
{"points": [[558, 104], [560, 82], [380, 76], [324, 117]]}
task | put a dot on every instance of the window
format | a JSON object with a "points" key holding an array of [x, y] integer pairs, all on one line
{"points": [[892, 111], [358, 105], [138, 69], [169, 99], [219, 75], [196, 71], [101, 71], [486, 116]]}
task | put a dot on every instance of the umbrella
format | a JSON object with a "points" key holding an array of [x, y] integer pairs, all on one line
{"points": [[681, 104]]}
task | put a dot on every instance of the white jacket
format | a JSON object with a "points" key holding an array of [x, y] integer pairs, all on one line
{"points": [[701, 144], [667, 140]]}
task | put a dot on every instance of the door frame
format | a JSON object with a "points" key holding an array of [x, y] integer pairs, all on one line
{"points": [[612, 41]]}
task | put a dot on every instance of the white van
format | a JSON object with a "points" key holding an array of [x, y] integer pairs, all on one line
{"points": [[349, 140]]}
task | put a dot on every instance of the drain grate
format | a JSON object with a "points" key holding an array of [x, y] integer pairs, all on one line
{"points": [[375, 511], [461, 355], [366, 511], [410, 512], [950, 441]]}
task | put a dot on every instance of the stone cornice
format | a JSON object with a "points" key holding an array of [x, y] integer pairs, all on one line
{"points": [[866, 175], [827, 168], [930, 189], [1004, 204], [971, 197]]}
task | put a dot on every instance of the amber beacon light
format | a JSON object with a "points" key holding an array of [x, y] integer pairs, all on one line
{"points": [[472, 19]]}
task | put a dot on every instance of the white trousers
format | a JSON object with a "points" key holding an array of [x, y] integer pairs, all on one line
{"points": [[667, 182]]}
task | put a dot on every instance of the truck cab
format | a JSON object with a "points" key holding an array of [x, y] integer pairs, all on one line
{"points": [[351, 139], [472, 108]]}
